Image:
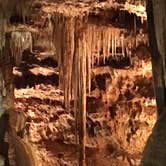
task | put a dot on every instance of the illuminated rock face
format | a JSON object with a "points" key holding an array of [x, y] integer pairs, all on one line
{"points": [[154, 152], [95, 44], [79, 46]]}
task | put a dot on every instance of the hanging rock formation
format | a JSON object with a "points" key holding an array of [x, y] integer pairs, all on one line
{"points": [[79, 45]]}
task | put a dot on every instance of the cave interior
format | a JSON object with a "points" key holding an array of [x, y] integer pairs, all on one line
{"points": [[76, 84]]}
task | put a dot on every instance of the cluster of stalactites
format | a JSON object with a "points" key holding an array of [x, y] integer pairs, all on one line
{"points": [[70, 42], [20, 41], [74, 39], [70, 39], [7, 8], [105, 42], [79, 43]]}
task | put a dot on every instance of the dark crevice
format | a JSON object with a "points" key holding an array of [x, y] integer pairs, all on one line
{"points": [[117, 18], [28, 78]]}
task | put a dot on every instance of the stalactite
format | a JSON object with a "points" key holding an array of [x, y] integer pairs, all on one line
{"points": [[135, 25], [44, 36], [96, 38], [122, 44], [104, 44], [130, 51], [93, 44], [3, 27], [20, 40], [113, 46], [6, 10], [116, 57], [89, 56], [96, 45], [68, 58], [109, 43], [75, 83], [82, 54], [58, 24], [135, 31]]}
